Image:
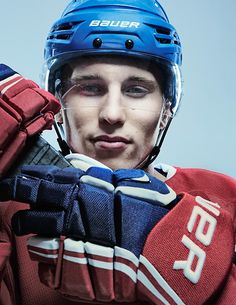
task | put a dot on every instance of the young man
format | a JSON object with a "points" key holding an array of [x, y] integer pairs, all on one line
{"points": [[112, 228]]}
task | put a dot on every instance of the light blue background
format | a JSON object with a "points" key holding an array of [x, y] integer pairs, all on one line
{"points": [[203, 132]]}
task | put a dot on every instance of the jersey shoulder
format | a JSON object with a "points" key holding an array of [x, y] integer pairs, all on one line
{"points": [[210, 185]]}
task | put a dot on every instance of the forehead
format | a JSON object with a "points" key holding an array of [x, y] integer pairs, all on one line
{"points": [[108, 67]]}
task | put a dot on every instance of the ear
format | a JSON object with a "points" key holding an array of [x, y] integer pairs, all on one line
{"points": [[59, 118], [165, 115]]}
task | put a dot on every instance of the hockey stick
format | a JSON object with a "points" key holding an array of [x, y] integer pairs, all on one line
{"points": [[38, 151]]}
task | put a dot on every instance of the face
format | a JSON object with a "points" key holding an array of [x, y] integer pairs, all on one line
{"points": [[111, 112]]}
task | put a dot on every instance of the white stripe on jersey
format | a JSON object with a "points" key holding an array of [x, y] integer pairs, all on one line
{"points": [[159, 279]]}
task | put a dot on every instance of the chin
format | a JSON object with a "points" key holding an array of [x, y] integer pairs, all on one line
{"points": [[115, 164]]}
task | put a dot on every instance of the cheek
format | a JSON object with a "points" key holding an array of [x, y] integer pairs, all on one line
{"points": [[147, 127], [71, 123], [76, 122]]}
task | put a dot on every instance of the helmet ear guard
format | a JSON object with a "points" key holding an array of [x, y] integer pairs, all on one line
{"points": [[133, 29]]}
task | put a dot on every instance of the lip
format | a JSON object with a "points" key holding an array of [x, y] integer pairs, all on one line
{"points": [[106, 142]]}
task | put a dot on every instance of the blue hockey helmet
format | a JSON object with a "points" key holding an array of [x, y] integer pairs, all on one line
{"points": [[136, 28]]}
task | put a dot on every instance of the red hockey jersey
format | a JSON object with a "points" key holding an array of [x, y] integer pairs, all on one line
{"points": [[188, 257]]}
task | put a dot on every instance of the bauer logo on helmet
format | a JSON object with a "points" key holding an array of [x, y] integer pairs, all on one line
{"points": [[115, 23]]}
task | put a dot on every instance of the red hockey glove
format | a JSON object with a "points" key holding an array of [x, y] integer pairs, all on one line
{"points": [[25, 110]]}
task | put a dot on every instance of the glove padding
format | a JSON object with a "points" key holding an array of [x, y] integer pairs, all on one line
{"points": [[141, 201], [68, 202], [96, 205], [106, 217], [25, 110]]}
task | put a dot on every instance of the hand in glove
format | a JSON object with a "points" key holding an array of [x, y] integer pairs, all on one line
{"points": [[105, 216], [25, 110]]}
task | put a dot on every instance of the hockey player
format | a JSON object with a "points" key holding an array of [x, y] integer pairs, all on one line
{"points": [[113, 228]]}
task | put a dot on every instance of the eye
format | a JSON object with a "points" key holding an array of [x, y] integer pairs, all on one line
{"points": [[90, 89], [136, 91]]}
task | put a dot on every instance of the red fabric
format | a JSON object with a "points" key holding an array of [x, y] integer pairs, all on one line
{"points": [[217, 281], [11, 120], [25, 110], [10, 152], [219, 254]]}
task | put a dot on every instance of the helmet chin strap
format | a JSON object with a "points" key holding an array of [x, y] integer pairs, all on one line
{"points": [[156, 149], [152, 155], [65, 150]]}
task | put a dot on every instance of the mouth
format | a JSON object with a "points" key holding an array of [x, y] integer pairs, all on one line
{"points": [[105, 142]]}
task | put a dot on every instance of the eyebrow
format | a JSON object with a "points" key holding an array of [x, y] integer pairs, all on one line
{"points": [[144, 80], [85, 77], [99, 77]]}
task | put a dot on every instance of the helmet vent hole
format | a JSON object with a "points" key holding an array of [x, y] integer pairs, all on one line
{"points": [[63, 36], [161, 30], [63, 31], [177, 42], [163, 40], [176, 39], [63, 27]]}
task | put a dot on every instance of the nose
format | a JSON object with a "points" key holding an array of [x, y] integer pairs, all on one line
{"points": [[112, 109]]}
